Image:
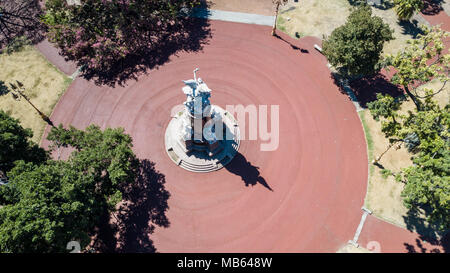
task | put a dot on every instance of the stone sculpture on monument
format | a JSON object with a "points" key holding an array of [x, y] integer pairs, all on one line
{"points": [[202, 137]]}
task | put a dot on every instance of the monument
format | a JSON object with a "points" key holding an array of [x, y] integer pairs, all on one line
{"points": [[202, 137]]}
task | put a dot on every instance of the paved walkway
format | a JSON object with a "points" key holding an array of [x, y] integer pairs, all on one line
{"points": [[52, 55], [238, 17], [441, 18]]}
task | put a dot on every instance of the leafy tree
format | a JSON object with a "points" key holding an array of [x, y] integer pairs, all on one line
{"points": [[19, 18], [420, 62], [16, 144], [427, 186], [385, 106], [426, 134], [46, 206], [44, 209], [355, 47], [405, 8], [99, 34], [105, 156]]}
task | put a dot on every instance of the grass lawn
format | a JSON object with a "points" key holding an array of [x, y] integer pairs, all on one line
{"points": [[44, 85], [383, 196], [313, 17], [319, 18]]}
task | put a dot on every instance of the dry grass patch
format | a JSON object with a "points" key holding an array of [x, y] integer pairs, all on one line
{"points": [[402, 32], [383, 196], [312, 17], [319, 18], [44, 85]]}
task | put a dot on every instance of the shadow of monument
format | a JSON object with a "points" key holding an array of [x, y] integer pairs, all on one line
{"points": [[250, 174], [20, 18], [144, 206]]}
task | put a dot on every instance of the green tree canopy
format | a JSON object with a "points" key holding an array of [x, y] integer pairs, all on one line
{"points": [[426, 134], [355, 47], [16, 144], [43, 209], [103, 37], [420, 62], [427, 186], [405, 8], [46, 206]]}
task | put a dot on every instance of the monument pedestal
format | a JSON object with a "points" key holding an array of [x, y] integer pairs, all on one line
{"points": [[203, 157], [202, 137]]}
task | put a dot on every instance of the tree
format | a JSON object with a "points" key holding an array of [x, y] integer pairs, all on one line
{"points": [[42, 209], [420, 62], [405, 8], [18, 18], [426, 134], [16, 144], [277, 3], [386, 107], [46, 206], [102, 35], [355, 47], [427, 186]]}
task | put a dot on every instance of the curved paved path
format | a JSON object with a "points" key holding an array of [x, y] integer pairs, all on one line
{"points": [[318, 174]]}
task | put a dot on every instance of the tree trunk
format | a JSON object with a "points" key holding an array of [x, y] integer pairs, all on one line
{"points": [[276, 18], [377, 159], [413, 98]]}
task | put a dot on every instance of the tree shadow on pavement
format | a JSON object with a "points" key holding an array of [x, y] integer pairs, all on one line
{"points": [[189, 35], [20, 18], [367, 88], [419, 247], [250, 174], [144, 207], [432, 7], [428, 232]]}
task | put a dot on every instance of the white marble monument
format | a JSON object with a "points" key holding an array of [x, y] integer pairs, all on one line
{"points": [[202, 137]]}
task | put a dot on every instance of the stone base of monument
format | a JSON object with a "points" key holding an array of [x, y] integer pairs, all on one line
{"points": [[195, 157]]}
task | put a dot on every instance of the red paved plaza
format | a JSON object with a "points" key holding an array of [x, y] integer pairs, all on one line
{"points": [[318, 175]]}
